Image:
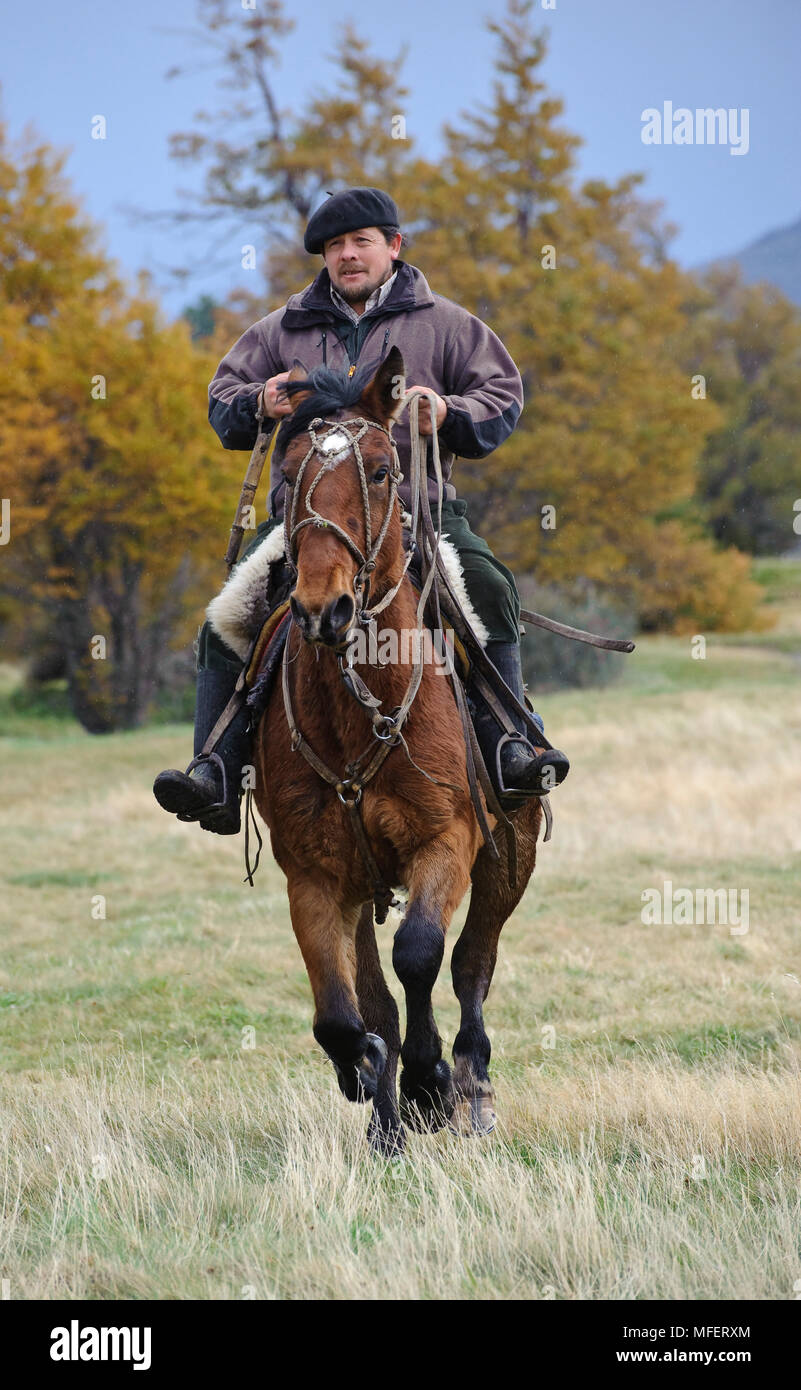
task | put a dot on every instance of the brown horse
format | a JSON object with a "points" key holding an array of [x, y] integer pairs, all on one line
{"points": [[421, 829]]}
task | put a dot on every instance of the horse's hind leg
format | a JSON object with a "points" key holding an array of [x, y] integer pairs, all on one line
{"points": [[327, 938], [437, 884], [380, 1014], [493, 900]]}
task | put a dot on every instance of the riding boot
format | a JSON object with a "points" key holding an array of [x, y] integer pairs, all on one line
{"points": [[521, 769], [211, 788]]}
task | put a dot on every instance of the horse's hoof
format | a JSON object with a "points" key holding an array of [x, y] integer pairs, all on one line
{"points": [[473, 1116], [376, 1053], [426, 1105], [360, 1083]]}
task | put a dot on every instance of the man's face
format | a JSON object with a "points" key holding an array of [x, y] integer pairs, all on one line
{"points": [[358, 262]]}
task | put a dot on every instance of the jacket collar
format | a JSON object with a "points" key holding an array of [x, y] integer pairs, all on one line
{"points": [[314, 304]]}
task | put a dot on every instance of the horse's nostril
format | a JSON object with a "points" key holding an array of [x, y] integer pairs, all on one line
{"points": [[341, 613], [298, 612]]}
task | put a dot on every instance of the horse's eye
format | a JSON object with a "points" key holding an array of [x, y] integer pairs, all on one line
{"points": [[381, 474]]}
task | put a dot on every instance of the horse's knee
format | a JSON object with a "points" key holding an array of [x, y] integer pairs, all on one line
{"points": [[418, 949]]}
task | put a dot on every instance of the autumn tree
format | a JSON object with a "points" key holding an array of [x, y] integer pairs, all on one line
{"points": [[578, 284], [201, 317], [118, 497], [745, 345], [261, 161], [595, 486]]}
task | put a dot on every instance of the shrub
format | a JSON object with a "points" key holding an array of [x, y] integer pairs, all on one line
{"points": [[551, 662]]}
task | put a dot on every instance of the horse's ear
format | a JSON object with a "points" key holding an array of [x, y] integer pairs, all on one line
{"points": [[298, 373], [383, 398]]}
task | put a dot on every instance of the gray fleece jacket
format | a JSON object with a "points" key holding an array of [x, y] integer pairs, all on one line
{"points": [[443, 347]]}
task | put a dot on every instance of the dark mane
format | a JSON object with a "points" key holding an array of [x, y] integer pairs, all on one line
{"points": [[331, 391]]}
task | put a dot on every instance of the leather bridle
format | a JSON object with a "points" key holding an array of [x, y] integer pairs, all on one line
{"points": [[387, 728], [326, 448]]}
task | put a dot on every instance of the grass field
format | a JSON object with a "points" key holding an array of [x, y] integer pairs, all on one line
{"points": [[171, 1130]]}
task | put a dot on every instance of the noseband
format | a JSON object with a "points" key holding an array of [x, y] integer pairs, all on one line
{"points": [[332, 448]]}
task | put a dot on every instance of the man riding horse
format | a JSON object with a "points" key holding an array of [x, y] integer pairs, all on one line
{"points": [[362, 303]]}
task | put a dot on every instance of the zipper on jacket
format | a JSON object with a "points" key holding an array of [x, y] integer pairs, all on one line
{"points": [[324, 344], [352, 367]]}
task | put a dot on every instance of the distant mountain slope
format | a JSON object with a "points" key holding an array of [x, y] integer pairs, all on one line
{"points": [[775, 257]]}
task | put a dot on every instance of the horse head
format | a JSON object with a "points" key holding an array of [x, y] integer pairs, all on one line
{"points": [[343, 525]]}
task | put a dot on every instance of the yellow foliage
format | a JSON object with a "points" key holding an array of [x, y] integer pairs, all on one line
{"points": [[688, 585], [119, 494]]}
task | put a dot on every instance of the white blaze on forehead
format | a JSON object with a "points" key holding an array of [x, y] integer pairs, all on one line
{"points": [[337, 442]]}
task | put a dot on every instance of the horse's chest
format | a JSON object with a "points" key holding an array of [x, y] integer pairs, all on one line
{"points": [[326, 840]]}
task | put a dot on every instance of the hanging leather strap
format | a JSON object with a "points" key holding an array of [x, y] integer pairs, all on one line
{"points": [[576, 634], [250, 485]]}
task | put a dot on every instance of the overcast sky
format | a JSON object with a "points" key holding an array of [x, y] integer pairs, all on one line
{"points": [[62, 64]]}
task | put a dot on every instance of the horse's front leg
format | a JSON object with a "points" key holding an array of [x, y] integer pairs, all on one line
{"points": [[437, 883], [380, 1014], [326, 934]]}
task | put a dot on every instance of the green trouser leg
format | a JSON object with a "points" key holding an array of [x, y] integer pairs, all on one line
{"points": [[492, 591], [491, 586], [516, 771]]}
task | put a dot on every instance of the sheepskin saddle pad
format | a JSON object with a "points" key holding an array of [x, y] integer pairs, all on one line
{"points": [[254, 590]]}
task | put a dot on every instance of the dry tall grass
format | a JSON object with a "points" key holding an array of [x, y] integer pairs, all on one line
{"points": [[651, 1152], [633, 1181]]}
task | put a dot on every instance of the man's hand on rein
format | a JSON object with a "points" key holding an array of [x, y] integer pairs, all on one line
{"points": [[425, 412], [274, 399]]}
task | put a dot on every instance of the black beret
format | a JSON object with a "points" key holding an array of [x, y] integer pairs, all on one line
{"points": [[347, 212]]}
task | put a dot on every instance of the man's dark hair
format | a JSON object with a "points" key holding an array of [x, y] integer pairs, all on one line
{"points": [[391, 232]]}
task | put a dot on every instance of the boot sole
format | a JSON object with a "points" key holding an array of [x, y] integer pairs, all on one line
{"points": [[221, 823], [182, 797], [515, 797], [178, 794]]}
